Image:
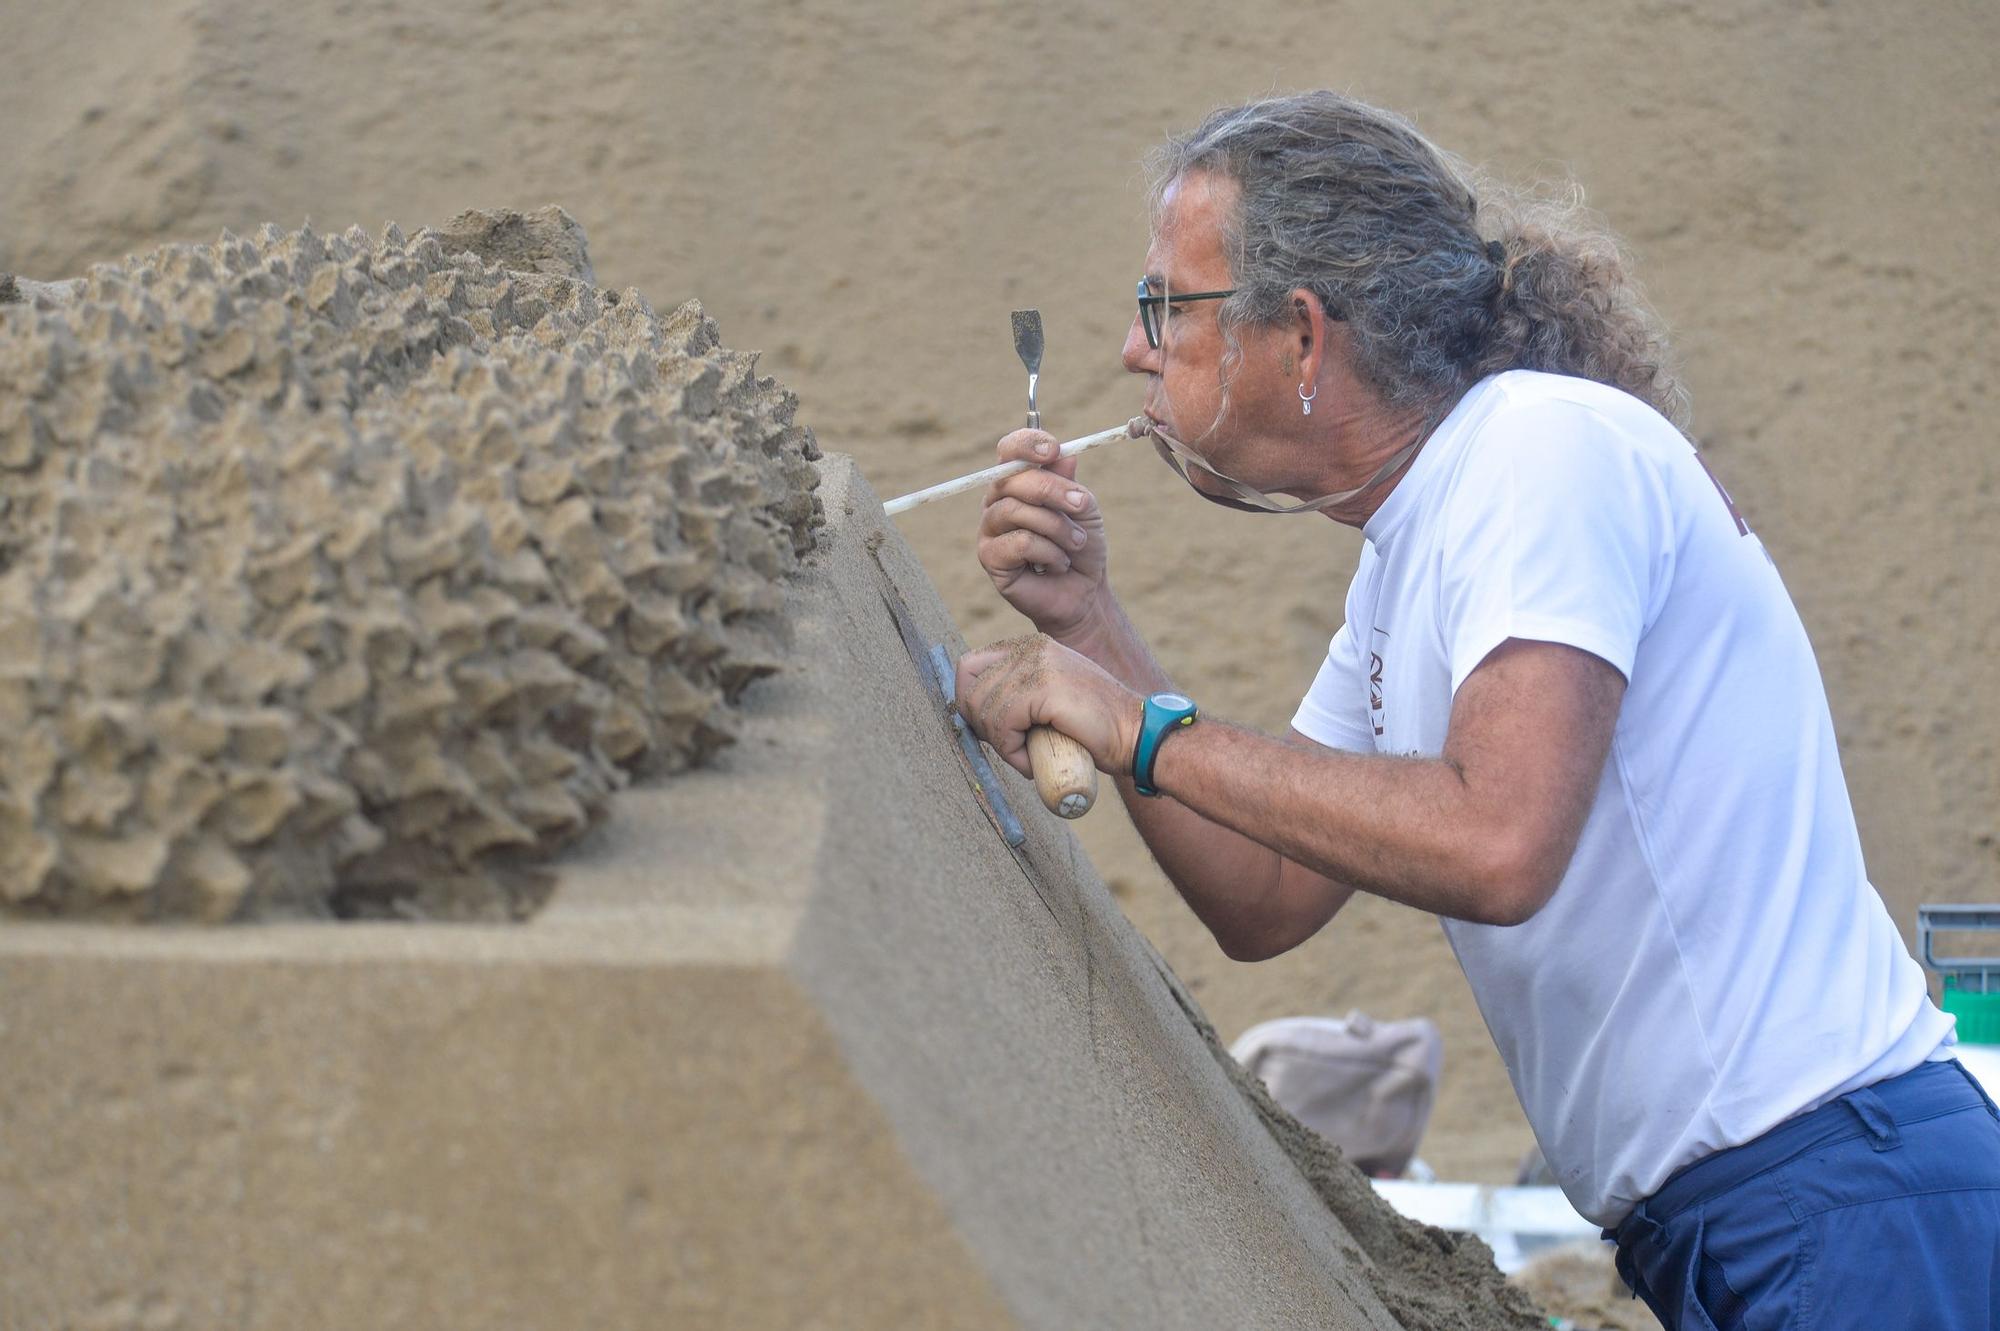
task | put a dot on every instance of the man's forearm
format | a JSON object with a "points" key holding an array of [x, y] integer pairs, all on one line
{"points": [[1113, 641], [1212, 866], [1404, 828]]}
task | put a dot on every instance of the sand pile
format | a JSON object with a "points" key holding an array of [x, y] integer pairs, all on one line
{"points": [[1428, 1278], [1580, 1282], [350, 575]]}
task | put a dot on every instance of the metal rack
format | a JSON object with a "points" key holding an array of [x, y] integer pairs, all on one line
{"points": [[1971, 975]]}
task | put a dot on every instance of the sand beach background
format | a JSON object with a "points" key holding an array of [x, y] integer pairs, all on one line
{"points": [[864, 191]]}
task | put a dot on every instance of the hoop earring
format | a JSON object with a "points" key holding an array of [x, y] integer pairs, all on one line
{"points": [[1306, 399]]}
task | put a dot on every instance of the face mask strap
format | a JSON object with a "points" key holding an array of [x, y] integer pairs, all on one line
{"points": [[1248, 500]]}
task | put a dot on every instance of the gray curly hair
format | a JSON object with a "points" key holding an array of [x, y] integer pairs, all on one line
{"points": [[1441, 279]]}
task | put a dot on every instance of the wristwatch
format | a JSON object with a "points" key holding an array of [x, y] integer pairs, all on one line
{"points": [[1165, 713]]}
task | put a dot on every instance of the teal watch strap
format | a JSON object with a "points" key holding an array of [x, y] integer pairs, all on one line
{"points": [[1165, 713]]}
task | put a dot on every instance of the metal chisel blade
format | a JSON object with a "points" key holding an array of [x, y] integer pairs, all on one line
{"points": [[1028, 339]]}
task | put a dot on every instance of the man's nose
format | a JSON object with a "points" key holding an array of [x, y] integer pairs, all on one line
{"points": [[1140, 356]]}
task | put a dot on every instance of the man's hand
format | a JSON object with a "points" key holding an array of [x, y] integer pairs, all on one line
{"points": [[1041, 539], [1008, 688]]}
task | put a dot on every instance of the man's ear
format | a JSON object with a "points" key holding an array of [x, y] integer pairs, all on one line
{"points": [[1307, 334]]}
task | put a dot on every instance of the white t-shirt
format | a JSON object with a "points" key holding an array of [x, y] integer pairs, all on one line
{"points": [[1715, 960]]}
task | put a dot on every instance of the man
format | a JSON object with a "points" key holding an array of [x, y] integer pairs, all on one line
{"points": [[1572, 711]]}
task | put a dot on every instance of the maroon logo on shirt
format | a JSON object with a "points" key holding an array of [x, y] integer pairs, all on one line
{"points": [[1375, 716]]}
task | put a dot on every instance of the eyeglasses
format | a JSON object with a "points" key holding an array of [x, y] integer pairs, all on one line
{"points": [[1153, 313]]}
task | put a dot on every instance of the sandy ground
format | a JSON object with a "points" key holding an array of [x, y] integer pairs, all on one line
{"points": [[865, 190], [1577, 1281]]}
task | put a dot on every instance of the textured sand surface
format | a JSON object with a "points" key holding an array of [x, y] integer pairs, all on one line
{"points": [[1579, 1281], [344, 575], [797, 1042], [865, 191]]}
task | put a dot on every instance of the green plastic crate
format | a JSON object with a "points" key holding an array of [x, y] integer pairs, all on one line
{"points": [[1978, 1014]]}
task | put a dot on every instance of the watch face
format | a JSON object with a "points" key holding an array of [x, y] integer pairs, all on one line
{"points": [[1175, 701]]}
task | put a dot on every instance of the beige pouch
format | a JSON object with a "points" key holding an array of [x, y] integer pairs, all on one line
{"points": [[1367, 1086]]}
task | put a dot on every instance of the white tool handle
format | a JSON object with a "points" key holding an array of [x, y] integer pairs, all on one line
{"points": [[980, 479]]}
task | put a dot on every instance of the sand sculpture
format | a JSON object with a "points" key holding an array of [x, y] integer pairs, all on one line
{"points": [[352, 576], [797, 1040], [349, 575]]}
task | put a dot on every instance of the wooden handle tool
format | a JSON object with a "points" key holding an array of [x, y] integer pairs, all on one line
{"points": [[1065, 776]]}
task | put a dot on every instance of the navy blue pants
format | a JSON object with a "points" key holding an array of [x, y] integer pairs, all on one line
{"points": [[1876, 1211]]}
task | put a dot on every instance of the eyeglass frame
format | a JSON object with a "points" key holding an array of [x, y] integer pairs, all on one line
{"points": [[1148, 302]]}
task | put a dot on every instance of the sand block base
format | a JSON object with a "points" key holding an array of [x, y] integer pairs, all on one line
{"points": [[203, 1137], [797, 1041]]}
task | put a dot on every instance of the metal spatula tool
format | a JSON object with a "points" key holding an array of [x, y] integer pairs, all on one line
{"points": [[1065, 776], [1028, 346]]}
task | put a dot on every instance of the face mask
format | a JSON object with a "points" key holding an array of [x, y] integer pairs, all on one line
{"points": [[1180, 457]]}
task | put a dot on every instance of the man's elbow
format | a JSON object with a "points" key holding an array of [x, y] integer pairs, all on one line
{"points": [[1261, 935], [1506, 911], [1273, 935], [1515, 882], [1244, 946]]}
